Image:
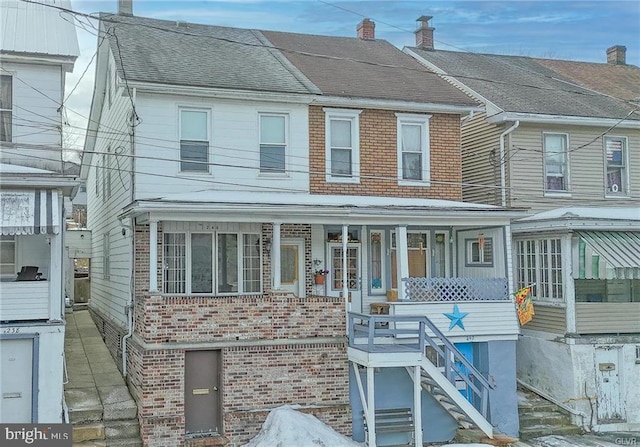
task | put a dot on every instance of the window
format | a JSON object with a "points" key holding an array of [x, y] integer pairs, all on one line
{"points": [[555, 163], [479, 252], [413, 148], [342, 145], [607, 290], [6, 106], [194, 140], [273, 143], [376, 261], [616, 181], [539, 263], [7, 256], [221, 263], [106, 256]]}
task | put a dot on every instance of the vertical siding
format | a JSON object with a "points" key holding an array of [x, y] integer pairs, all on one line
{"points": [[481, 161], [586, 167], [109, 296]]}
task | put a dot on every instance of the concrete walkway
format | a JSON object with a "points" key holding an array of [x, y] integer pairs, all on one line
{"points": [[99, 403]]}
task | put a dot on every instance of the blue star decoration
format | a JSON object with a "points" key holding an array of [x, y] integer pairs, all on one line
{"points": [[456, 317]]}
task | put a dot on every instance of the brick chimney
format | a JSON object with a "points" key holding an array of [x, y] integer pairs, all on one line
{"points": [[125, 7], [366, 30], [617, 55], [424, 33]]}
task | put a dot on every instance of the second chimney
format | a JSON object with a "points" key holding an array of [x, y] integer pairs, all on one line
{"points": [[366, 30], [617, 55], [424, 33], [125, 7]]}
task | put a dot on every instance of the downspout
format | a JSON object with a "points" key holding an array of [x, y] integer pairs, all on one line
{"points": [[132, 283], [503, 169]]}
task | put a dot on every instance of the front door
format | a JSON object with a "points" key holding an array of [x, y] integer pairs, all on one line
{"points": [[16, 375], [352, 275], [292, 266], [202, 392], [467, 351], [608, 384]]}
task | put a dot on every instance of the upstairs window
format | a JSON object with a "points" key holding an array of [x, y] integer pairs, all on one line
{"points": [[6, 106], [194, 140], [273, 143], [556, 163], [342, 145], [413, 148], [617, 180]]}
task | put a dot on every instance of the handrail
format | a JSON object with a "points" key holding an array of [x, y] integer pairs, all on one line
{"points": [[373, 327]]}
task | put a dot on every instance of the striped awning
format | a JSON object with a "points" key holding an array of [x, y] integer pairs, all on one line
{"points": [[29, 212], [607, 255]]}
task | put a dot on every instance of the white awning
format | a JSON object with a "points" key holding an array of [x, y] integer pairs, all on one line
{"points": [[607, 255], [29, 212]]}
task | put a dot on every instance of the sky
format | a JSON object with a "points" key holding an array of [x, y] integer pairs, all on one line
{"points": [[565, 29]]}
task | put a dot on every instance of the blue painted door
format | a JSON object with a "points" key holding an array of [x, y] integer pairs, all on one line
{"points": [[467, 350]]}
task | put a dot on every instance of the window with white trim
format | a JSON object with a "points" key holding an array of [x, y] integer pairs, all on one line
{"points": [[413, 148], [212, 263], [556, 162], [539, 264], [194, 140], [273, 142], [342, 145], [617, 176], [6, 108], [479, 252], [7, 256]]}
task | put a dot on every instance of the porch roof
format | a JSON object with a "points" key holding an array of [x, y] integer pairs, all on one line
{"points": [[320, 209], [608, 255], [29, 212]]}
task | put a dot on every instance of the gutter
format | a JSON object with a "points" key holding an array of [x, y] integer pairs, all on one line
{"points": [[565, 120], [503, 169]]}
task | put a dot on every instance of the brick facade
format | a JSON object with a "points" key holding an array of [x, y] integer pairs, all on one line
{"points": [[378, 157], [276, 349]]}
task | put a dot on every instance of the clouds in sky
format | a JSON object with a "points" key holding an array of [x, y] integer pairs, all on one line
{"points": [[569, 29]]}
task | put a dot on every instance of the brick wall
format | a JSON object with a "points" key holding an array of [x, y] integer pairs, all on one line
{"points": [[378, 157]]}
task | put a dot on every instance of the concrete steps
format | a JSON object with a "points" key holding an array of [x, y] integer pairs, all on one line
{"points": [[539, 417]]}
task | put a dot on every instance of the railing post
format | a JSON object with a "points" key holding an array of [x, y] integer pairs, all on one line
{"points": [[372, 329], [447, 364]]}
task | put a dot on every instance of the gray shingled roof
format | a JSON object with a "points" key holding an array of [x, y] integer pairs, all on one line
{"points": [[522, 84], [356, 68], [179, 53]]}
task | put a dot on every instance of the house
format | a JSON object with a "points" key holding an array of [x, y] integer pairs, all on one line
{"points": [[35, 184], [214, 196], [563, 139]]}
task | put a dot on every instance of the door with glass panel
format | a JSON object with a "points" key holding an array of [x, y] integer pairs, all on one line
{"points": [[352, 275], [418, 252], [292, 267]]}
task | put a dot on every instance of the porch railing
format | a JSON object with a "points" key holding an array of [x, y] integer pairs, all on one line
{"points": [[455, 289], [380, 331]]}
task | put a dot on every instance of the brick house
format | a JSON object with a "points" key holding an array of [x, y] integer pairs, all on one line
{"points": [[563, 139], [216, 194]]}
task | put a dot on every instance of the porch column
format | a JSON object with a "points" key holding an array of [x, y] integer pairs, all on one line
{"points": [[275, 257], [417, 405], [371, 407], [345, 271], [569, 291], [153, 256], [402, 258], [56, 290]]}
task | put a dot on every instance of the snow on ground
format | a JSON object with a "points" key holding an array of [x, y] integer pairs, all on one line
{"points": [[286, 427]]}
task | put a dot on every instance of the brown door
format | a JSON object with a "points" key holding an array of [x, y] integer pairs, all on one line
{"points": [[202, 392]]}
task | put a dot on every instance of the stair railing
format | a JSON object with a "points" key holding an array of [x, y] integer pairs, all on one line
{"points": [[383, 330]]}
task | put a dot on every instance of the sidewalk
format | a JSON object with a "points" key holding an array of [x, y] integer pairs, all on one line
{"points": [[98, 400]]}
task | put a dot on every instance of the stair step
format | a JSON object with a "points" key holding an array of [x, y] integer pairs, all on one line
{"points": [[545, 430], [88, 432], [544, 418], [96, 443], [85, 415], [126, 442], [129, 428]]}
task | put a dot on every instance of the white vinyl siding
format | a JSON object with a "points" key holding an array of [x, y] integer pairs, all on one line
{"points": [[273, 143], [556, 162], [413, 149], [194, 140], [342, 145]]}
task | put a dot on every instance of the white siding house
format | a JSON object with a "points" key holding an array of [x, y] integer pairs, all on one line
{"points": [[34, 182]]}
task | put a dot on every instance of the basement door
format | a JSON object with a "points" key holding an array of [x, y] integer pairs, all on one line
{"points": [[202, 392], [16, 380], [608, 384]]}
